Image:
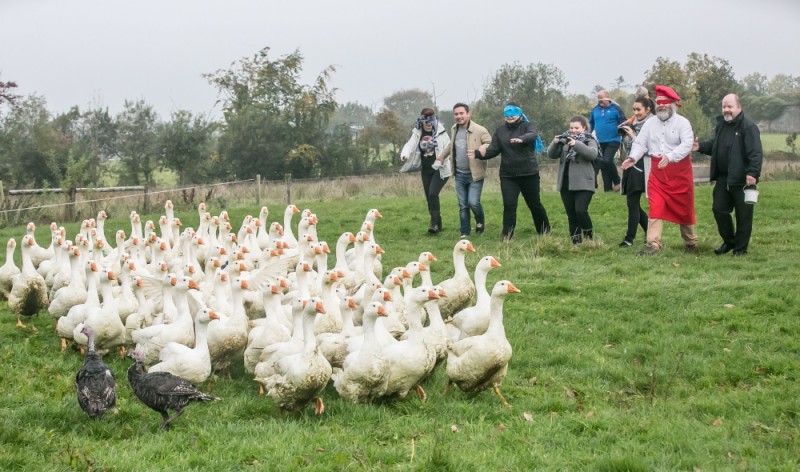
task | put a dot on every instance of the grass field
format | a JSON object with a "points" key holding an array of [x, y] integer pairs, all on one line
{"points": [[774, 142], [621, 363]]}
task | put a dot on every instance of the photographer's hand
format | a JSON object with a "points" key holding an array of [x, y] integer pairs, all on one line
{"points": [[571, 142]]}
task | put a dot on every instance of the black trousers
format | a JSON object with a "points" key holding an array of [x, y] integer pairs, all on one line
{"points": [[528, 186], [576, 204], [432, 184], [636, 215], [726, 199], [607, 166]]}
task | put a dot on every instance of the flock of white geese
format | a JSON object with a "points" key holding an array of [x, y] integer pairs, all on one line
{"points": [[192, 302]]}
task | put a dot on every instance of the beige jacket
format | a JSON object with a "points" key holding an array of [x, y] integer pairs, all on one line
{"points": [[477, 135]]}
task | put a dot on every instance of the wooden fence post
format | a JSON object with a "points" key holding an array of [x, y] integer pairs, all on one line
{"points": [[146, 201], [287, 178], [69, 210], [3, 201], [258, 190]]}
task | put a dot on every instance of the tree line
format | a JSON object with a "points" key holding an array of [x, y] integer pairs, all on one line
{"points": [[273, 124]]}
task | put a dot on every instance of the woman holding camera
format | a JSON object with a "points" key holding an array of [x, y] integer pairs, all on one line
{"points": [[427, 143], [634, 180], [577, 151]]}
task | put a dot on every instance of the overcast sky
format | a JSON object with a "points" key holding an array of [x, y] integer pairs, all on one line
{"points": [[101, 52]]}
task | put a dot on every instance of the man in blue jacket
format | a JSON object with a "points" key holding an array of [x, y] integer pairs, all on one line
{"points": [[604, 120]]}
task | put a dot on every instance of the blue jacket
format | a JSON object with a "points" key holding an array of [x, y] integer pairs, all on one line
{"points": [[604, 122]]}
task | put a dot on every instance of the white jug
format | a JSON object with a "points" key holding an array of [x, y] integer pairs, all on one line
{"points": [[750, 195]]}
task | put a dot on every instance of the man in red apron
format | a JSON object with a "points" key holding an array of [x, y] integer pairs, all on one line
{"points": [[670, 186]]}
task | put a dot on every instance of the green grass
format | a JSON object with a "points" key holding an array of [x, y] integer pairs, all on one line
{"points": [[774, 142], [620, 363]]}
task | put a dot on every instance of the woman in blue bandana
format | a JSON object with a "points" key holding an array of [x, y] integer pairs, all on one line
{"points": [[519, 169], [427, 143]]}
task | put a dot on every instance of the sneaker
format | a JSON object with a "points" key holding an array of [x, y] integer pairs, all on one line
{"points": [[464, 236], [690, 250], [625, 243], [479, 228], [649, 250]]}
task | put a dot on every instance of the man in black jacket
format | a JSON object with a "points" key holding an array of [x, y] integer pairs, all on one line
{"points": [[736, 157]]}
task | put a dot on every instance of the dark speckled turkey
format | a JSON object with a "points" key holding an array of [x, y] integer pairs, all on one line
{"points": [[163, 391], [94, 382]]}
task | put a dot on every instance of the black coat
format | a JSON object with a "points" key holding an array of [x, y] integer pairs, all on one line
{"points": [[745, 153], [519, 159]]}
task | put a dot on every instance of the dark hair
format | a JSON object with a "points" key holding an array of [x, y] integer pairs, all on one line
{"points": [[580, 119], [427, 112], [513, 103], [646, 102], [461, 105]]}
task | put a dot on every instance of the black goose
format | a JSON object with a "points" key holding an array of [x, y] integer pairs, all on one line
{"points": [[163, 391], [94, 382]]}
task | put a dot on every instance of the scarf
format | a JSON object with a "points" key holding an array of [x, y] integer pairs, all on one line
{"points": [[583, 137], [434, 121]]}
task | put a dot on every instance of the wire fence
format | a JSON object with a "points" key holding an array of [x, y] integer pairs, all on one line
{"points": [[42, 208]]}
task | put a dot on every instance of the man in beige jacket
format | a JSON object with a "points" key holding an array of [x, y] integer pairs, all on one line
{"points": [[469, 173]]}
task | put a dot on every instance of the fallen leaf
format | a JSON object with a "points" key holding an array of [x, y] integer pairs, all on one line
{"points": [[453, 428], [590, 414], [716, 422], [580, 406], [759, 370], [637, 362], [527, 416], [675, 264], [533, 380], [729, 305], [731, 455], [320, 449], [698, 469], [726, 349], [569, 392], [501, 427], [608, 346]]}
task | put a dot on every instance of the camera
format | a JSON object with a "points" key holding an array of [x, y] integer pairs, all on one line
{"points": [[563, 139], [623, 129]]}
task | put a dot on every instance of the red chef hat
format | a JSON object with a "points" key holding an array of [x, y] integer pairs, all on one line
{"points": [[664, 93]]}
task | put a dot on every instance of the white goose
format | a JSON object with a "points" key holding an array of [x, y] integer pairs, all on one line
{"points": [[459, 287], [227, 336], [189, 363], [143, 316], [474, 320], [300, 378], [151, 339], [73, 294], [108, 329], [9, 270], [269, 331], [65, 326], [411, 360], [28, 292], [480, 362], [365, 373], [270, 354]]}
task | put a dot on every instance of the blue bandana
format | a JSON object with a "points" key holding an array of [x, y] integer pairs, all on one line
{"points": [[513, 110]]}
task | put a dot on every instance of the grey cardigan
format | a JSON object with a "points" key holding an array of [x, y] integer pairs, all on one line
{"points": [[581, 170]]}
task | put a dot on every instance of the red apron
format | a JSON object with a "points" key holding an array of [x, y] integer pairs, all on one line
{"points": [[670, 191]]}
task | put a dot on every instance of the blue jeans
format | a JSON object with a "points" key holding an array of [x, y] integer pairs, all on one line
{"points": [[469, 198]]}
